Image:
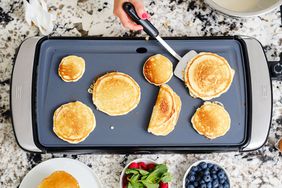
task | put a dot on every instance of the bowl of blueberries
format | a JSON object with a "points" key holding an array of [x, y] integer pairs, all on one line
{"points": [[206, 174]]}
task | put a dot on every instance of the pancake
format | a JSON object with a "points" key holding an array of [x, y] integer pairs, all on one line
{"points": [[165, 112], [158, 69], [116, 94], [71, 68], [59, 179], [73, 122], [208, 75], [211, 120]]}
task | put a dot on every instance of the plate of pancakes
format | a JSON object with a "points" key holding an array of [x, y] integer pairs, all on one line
{"points": [[122, 98], [61, 173]]}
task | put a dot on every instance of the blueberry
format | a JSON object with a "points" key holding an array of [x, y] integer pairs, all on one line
{"points": [[209, 185], [215, 183], [196, 184], [206, 172], [213, 171], [221, 181], [202, 182], [203, 165], [194, 169], [210, 165], [214, 176], [215, 168], [191, 178], [220, 186], [207, 178], [190, 186], [221, 174], [226, 185], [203, 185]]}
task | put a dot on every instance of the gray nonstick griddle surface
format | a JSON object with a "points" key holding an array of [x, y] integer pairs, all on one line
{"points": [[102, 56]]}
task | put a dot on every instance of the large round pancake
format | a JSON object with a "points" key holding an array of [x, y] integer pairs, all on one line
{"points": [[211, 120], [71, 68], [158, 69], [116, 93], [165, 112], [59, 179], [73, 122], [208, 75]]}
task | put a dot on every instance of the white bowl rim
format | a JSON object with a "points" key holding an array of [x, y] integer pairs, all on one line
{"points": [[243, 14], [207, 161], [145, 160]]}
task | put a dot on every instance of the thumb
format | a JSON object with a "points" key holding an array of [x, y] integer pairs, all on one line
{"points": [[139, 7]]}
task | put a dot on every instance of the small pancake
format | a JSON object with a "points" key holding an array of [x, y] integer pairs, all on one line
{"points": [[73, 122], [158, 69], [211, 120], [116, 93], [208, 75], [165, 112], [59, 179], [71, 68]]}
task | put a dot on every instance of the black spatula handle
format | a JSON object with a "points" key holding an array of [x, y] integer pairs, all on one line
{"points": [[147, 25]]}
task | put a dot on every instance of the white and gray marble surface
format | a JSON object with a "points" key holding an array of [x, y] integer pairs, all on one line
{"points": [[261, 168]]}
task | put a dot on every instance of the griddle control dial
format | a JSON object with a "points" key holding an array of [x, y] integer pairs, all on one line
{"points": [[275, 68]]}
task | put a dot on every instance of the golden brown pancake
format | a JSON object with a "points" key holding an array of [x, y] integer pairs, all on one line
{"points": [[59, 179], [71, 68], [158, 69], [165, 112], [73, 122], [211, 120], [208, 75], [116, 93]]}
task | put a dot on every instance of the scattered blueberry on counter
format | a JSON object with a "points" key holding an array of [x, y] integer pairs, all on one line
{"points": [[207, 175]]}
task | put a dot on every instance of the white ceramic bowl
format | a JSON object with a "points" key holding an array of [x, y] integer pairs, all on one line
{"points": [[206, 161], [146, 161], [244, 8]]}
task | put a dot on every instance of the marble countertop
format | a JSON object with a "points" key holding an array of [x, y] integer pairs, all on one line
{"points": [[261, 168]]}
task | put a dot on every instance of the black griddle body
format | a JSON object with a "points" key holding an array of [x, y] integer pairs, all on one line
{"points": [[49, 92]]}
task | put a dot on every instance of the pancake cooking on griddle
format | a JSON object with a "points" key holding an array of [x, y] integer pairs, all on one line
{"points": [[165, 112], [71, 68], [73, 122], [116, 93], [211, 120], [158, 69], [208, 75], [59, 179]]}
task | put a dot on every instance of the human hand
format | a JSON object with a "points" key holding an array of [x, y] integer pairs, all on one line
{"points": [[125, 19]]}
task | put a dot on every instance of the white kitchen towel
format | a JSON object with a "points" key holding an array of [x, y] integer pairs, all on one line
{"points": [[36, 12]]}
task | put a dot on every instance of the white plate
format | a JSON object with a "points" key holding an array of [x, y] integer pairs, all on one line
{"points": [[81, 172]]}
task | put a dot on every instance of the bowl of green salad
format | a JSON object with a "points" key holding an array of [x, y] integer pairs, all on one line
{"points": [[145, 173]]}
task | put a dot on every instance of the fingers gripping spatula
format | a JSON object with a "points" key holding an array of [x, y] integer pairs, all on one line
{"points": [[150, 29]]}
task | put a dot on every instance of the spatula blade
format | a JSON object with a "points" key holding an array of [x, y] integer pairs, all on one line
{"points": [[180, 67]]}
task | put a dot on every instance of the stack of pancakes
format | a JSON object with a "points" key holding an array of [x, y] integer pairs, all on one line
{"points": [[165, 112], [59, 179], [116, 93]]}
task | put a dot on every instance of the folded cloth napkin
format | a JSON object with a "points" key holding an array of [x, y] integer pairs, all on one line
{"points": [[36, 12]]}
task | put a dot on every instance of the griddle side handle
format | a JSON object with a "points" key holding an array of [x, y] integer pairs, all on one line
{"points": [[261, 97], [21, 95], [148, 27]]}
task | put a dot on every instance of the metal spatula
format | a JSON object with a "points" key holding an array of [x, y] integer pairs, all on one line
{"points": [[150, 29]]}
